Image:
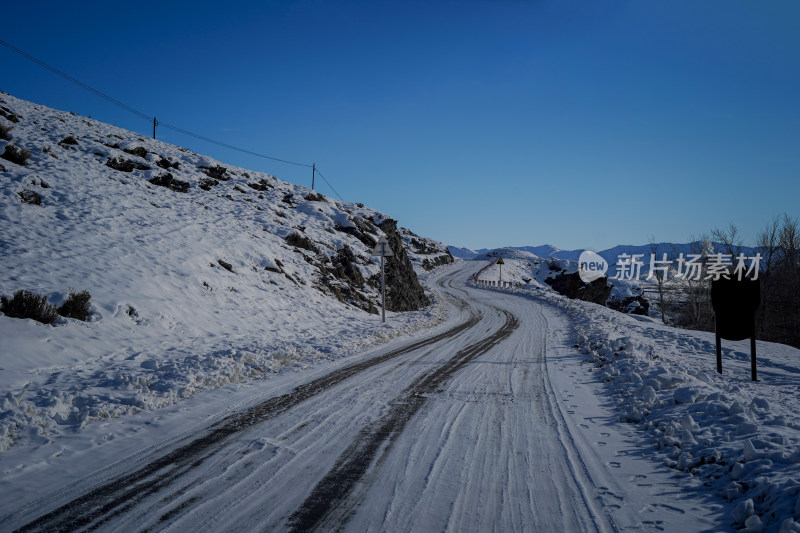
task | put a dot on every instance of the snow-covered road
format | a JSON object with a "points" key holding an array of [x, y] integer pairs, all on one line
{"points": [[461, 430]]}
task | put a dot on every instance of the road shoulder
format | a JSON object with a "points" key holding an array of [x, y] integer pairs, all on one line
{"points": [[632, 481]]}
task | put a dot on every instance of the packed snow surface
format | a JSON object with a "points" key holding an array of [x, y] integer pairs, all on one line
{"points": [[723, 434]]}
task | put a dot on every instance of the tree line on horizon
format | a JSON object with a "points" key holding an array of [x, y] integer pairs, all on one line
{"points": [[686, 302]]}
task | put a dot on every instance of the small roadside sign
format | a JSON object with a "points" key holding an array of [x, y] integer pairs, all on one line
{"points": [[501, 263], [382, 248], [735, 303]]}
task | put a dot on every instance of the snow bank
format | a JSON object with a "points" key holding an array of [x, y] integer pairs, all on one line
{"points": [[739, 437]]}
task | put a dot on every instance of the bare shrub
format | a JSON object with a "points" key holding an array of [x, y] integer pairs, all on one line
{"points": [[25, 304], [16, 155], [76, 305]]}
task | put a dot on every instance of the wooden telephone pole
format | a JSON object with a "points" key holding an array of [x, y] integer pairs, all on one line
{"points": [[313, 174]]}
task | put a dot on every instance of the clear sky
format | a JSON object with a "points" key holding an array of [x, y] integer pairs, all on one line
{"points": [[479, 123]]}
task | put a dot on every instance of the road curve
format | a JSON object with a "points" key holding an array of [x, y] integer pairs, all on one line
{"points": [[455, 431], [377, 437]]}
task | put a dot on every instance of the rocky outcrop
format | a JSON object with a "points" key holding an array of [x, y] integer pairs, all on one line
{"points": [[571, 286], [301, 241], [168, 181], [343, 279], [125, 165], [424, 253], [403, 291], [362, 229], [634, 305], [429, 263]]}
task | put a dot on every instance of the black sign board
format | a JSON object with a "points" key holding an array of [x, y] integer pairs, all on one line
{"points": [[735, 303]]}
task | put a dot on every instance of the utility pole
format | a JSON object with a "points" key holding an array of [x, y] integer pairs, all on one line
{"points": [[155, 123], [313, 174], [383, 289], [383, 250]]}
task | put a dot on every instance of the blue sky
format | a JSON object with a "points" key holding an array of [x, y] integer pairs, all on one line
{"points": [[479, 123]]}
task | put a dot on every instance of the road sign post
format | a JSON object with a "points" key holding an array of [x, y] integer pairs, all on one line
{"points": [[735, 303], [500, 263], [383, 250]]}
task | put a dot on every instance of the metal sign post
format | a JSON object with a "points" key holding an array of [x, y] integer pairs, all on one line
{"points": [[500, 262], [383, 250]]}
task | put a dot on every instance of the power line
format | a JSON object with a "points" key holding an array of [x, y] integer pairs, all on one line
{"points": [[230, 146], [329, 185], [77, 82], [144, 115]]}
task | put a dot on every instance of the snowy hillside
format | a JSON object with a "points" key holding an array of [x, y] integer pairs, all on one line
{"points": [[462, 253], [200, 273], [545, 250]]}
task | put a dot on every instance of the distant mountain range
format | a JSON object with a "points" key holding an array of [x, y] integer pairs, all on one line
{"points": [[672, 250]]}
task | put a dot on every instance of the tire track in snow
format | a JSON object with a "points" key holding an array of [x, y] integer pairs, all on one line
{"points": [[589, 491], [328, 505], [121, 494], [488, 453]]}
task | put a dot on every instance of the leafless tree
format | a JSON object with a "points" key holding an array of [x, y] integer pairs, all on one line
{"points": [[788, 280], [696, 311], [778, 244], [778, 318], [729, 239], [660, 280], [768, 245]]}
